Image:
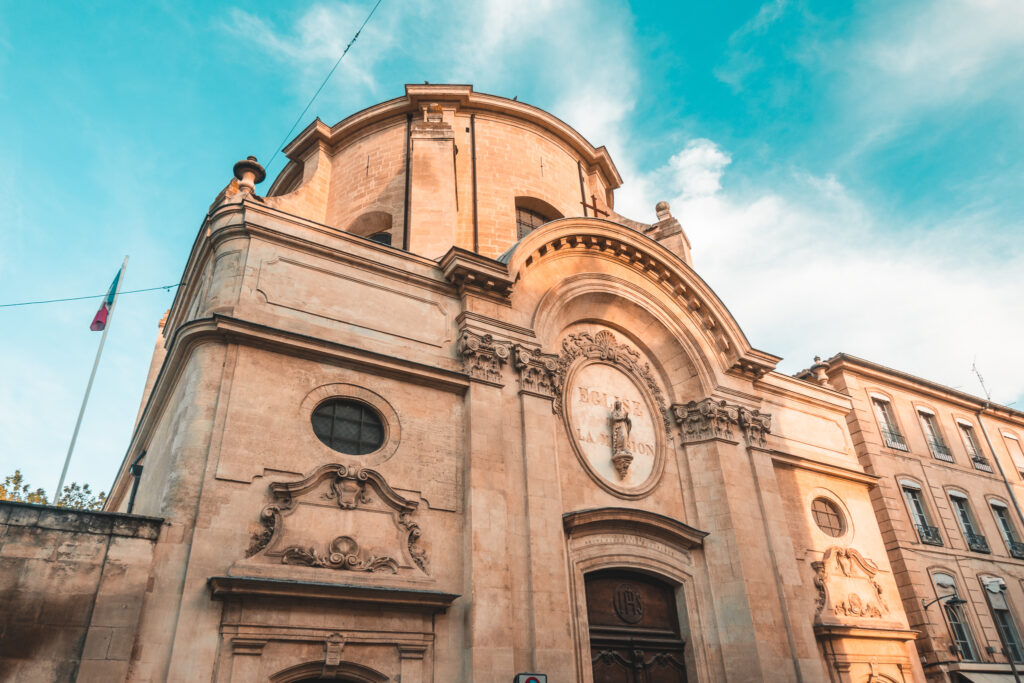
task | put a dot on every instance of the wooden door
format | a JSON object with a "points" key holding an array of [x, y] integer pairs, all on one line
{"points": [[634, 629]]}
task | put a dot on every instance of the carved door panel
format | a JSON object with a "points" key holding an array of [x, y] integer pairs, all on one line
{"points": [[634, 629]]}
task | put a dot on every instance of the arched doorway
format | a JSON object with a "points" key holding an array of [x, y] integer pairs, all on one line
{"points": [[634, 628]]}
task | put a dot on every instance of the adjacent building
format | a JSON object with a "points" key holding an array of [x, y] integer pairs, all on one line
{"points": [[950, 477]]}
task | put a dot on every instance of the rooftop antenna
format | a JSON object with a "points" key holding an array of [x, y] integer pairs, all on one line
{"points": [[988, 404], [981, 381]]}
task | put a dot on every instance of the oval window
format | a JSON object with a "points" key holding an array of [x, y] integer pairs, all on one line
{"points": [[348, 426], [828, 517]]}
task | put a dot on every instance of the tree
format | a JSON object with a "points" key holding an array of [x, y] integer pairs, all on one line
{"points": [[74, 496]]}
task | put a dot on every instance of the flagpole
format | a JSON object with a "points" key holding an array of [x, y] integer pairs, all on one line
{"points": [[92, 376]]}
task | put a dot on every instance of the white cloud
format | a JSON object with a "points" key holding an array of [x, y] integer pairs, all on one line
{"points": [[318, 39], [808, 268]]}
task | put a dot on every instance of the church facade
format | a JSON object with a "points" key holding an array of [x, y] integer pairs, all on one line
{"points": [[430, 410]]}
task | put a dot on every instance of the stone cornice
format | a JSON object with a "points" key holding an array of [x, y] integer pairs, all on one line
{"points": [[837, 471], [632, 521], [428, 601], [604, 239], [879, 633], [471, 272], [254, 219], [905, 380], [222, 329]]}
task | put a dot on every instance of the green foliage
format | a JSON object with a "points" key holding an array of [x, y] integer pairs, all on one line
{"points": [[15, 489], [74, 496]]}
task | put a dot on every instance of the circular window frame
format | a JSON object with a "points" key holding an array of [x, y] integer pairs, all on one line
{"points": [[834, 509], [629, 493], [844, 512], [350, 392]]}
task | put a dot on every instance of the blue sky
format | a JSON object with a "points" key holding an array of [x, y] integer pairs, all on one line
{"points": [[851, 179]]}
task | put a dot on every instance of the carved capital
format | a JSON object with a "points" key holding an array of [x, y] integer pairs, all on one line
{"points": [[483, 356], [756, 426], [536, 371], [716, 419], [706, 419]]}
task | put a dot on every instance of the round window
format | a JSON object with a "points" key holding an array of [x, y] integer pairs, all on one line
{"points": [[348, 426], [828, 517]]}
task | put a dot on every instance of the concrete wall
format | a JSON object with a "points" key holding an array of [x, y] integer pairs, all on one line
{"points": [[72, 586]]}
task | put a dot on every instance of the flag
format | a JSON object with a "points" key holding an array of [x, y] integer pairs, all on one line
{"points": [[99, 321]]}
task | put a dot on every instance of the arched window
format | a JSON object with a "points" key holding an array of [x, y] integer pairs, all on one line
{"points": [[375, 225], [531, 213], [959, 628]]}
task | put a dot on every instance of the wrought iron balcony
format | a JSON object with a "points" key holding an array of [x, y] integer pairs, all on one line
{"points": [[1016, 549], [976, 542], [981, 463], [928, 534], [940, 450], [894, 439]]}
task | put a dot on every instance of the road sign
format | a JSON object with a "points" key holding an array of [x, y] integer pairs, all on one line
{"points": [[531, 678]]}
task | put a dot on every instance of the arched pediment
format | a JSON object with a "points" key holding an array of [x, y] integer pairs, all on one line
{"points": [[591, 237]]}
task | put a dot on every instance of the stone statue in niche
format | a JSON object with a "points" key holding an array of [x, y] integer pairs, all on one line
{"points": [[621, 426]]}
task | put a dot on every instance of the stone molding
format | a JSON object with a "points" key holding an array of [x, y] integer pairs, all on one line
{"points": [[716, 419], [350, 488], [630, 520], [483, 356], [471, 272], [404, 599]]}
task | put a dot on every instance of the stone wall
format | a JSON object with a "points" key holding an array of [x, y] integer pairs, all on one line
{"points": [[72, 584]]}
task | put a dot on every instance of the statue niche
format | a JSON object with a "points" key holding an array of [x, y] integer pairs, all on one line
{"points": [[340, 518]]}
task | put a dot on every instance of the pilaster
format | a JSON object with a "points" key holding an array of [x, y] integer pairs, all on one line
{"points": [[433, 203]]}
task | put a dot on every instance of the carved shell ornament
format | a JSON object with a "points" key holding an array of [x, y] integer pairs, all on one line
{"points": [[614, 411], [380, 534]]}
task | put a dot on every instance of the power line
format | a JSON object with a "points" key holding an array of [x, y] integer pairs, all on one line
{"points": [[91, 296], [329, 74]]}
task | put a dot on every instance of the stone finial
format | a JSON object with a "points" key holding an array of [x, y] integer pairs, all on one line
{"points": [[819, 370], [249, 173], [661, 208]]}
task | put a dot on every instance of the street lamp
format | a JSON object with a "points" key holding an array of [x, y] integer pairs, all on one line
{"points": [[957, 600]]}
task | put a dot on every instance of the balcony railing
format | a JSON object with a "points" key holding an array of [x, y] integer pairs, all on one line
{"points": [[1016, 549], [981, 463], [928, 534], [976, 542], [940, 450], [894, 439]]}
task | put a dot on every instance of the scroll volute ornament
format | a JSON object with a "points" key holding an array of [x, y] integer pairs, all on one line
{"points": [[365, 507], [848, 587]]}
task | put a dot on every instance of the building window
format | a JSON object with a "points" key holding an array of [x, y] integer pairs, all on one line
{"points": [[1009, 635], [963, 640], [936, 444], [1006, 529], [1016, 454], [973, 449], [828, 517], [975, 540], [887, 423], [381, 238], [925, 531], [348, 426], [527, 221]]}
